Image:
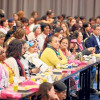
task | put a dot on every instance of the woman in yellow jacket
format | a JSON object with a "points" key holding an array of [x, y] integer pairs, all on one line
{"points": [[52, 55]]}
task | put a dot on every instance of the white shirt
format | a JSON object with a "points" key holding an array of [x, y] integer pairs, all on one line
{"points": [[13, 64], [33, 58], [41, 39], [26, 66], [97, 39], [4, 30], [31, 36], [31, 27]]}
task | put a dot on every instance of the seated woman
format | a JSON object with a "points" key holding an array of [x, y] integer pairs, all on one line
{"points": [[3, 71], [86, 51], [33, 57], [18, 34], [81, 46], [74, 80], [36, 32], [64, 47], [60, 89], [52, 55], [28, 66], [68, 47], [5, 66], [13, 54], [73, 47], [4, 75], [59, 35], [46, 92], [4, 25], [65, 29]]}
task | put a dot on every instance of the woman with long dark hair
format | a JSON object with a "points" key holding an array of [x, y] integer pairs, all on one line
{"points": [[14, 52]]}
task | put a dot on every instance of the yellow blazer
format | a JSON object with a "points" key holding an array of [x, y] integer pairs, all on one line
{"points": [[51, 59]]}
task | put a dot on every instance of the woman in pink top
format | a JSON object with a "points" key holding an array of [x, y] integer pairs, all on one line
{"points": [[81, 46], [64, 44]]}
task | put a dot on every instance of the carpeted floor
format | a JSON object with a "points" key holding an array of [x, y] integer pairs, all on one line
{"points": [[95, 97]]}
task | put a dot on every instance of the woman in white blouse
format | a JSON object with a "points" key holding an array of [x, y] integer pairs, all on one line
{"points": [[32, 55]]}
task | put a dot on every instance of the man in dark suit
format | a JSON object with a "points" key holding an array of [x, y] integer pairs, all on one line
{"points": [[94, 39]]}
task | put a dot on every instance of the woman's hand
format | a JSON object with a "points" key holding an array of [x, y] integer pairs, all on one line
{"points": [[59, 57], [35, 70], [67, 53], [91, 49]]}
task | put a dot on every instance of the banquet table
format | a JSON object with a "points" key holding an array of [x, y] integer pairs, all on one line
{"points": [[84, 80], [84, 71]]}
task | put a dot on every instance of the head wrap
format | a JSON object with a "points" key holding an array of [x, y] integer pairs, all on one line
{"points": [[31, 43], [35, 27]]}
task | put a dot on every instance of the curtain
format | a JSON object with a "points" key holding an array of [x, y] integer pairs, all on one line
{"points": [[87, 8]]}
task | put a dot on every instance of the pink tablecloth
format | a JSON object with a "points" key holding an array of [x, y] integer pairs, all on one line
{"points": [[6, 93]]}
